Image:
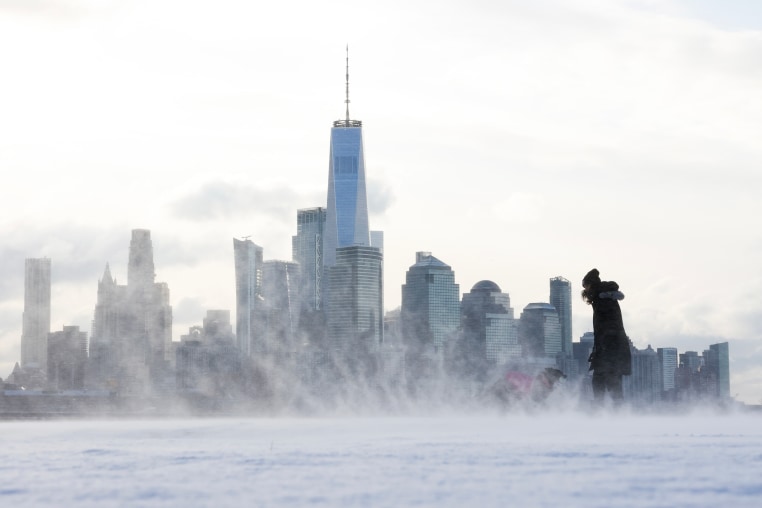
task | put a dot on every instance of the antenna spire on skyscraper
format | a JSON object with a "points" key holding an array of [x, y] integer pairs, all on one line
{"points": [[347, 122], [347, 99]]}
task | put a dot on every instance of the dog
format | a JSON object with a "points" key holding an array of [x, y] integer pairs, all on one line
{"points": [[517, 387]]}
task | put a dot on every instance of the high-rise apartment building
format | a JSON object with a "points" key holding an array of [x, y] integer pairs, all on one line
{"points": [[248, 293], [560, 298], [36, 317]]}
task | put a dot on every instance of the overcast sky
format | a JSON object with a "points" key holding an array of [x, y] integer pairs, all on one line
{"points": [[517, 141]]}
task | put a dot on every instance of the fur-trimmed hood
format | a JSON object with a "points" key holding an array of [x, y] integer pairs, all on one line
{"points": [[610, 290]]}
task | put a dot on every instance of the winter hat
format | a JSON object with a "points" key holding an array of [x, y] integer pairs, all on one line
{"points": [[592, 277]]}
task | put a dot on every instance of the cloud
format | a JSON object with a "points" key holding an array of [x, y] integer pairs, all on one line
{"points": [[220, 200], [188, 310], [78, 253], [380, 196]]}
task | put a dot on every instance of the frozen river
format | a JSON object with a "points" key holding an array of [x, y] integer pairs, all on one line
{"points": [[554, 460]]}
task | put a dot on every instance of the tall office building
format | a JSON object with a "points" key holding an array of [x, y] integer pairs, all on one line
{"points": [[280, 299], [149, 299], [643, 386], [353, 292], [347, 207], [36, 317], [207, 359], [560, 298], [668, 363], [67, 357], [717, 362], [354, 311], [489, 332], [691, 361], [140, 268], [307, 250], [540, 331], [430, 304], [132, 327], [248, 293], [582, 350]]}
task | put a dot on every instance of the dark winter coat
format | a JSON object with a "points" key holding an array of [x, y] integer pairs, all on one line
{"points": [[611, 350]]}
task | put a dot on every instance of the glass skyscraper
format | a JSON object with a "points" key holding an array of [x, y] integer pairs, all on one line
{"points": [[668, 361], [717, 360], [353, 289], [307, 250], [354, 310], [560, 298], [430, 310], [644, 386], [347, 207], [248, 292]]}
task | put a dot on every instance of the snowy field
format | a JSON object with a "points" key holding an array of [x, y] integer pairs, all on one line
{"points": [[558, 460]]}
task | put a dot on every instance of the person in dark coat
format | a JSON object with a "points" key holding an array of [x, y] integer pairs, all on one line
{"points": [[611, 356]]}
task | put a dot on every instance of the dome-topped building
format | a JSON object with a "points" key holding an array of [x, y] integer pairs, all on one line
{"points": [[489, 331], [486, 286]]}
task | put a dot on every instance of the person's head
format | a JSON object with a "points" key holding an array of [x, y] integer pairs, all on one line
{"points": [[590, 283]]}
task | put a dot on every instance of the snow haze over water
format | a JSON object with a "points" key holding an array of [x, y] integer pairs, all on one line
{"points": [[510, 460]]}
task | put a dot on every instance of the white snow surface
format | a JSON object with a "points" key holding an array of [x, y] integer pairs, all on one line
{"points": [[558, 460]]}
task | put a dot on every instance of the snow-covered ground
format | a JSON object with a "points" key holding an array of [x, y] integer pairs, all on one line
{"points": [[546, 459]]}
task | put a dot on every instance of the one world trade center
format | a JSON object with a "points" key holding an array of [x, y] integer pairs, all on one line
{"points": [[347, 207]]}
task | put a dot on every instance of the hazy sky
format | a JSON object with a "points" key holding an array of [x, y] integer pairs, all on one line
{"points": [[517, 141]]}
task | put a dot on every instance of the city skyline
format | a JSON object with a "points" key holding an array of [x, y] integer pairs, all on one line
{"points": [[642, 116]]}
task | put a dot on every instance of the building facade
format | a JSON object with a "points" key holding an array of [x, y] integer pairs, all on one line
{"points": [[560, 299], [208, 362], [489, 332], [280, 301], [132, 326], [248, 292], [347, 206], [430, 311], [668, 362], [718, 364], [643, 386], [36, 317], [354, 311], [67, 359], [540, 331], [307, 250]]}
